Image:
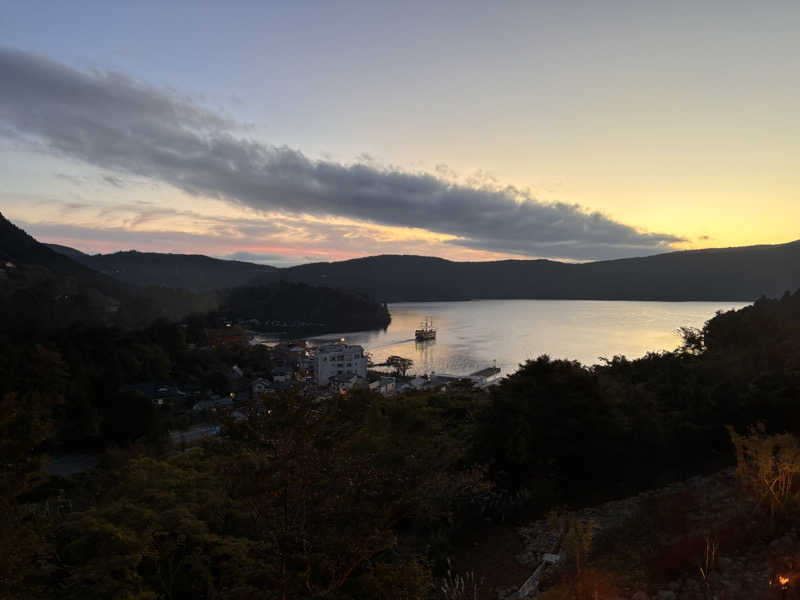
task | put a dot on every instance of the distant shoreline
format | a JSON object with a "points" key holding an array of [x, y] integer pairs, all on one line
{"points": [[747, 300]]}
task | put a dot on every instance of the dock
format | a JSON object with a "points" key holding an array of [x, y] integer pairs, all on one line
{"points": [[486, 373]]}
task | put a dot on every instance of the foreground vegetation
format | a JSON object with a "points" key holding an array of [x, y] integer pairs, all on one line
{"points": [[360, 496]]}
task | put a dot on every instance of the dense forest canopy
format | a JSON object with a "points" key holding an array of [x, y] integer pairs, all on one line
{"points": [[305, 309], [359, 494]]}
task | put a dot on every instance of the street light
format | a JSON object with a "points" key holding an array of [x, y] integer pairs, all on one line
{"points": [[784, 583]]}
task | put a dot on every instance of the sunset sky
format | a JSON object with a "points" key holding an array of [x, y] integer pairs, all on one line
{"points": [[303, 131]]}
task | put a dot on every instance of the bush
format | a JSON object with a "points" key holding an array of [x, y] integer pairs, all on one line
{"points": [[767, 466]]}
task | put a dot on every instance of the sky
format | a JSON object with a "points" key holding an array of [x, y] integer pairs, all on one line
{"points": [[291, 132]]}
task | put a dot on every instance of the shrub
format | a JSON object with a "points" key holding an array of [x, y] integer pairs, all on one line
{"points": [[767, 466]]}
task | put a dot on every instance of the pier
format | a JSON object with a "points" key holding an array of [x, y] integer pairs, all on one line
{"points": [[486, 373]]}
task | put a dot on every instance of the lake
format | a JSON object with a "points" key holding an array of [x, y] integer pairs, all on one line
{"points": [[473, 335]]}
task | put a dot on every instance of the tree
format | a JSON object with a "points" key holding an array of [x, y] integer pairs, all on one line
{"points": [[129, 416], [165, 529], [551, 419], [312, 501], [329, 485], [692, 340], [401, 365], [32, 380], [218, 382]]}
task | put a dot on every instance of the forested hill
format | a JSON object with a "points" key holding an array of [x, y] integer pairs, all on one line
{"points": [[189, 271], [17, 246], [298, 308], [720, 274], [743, 273], [42, 291]]}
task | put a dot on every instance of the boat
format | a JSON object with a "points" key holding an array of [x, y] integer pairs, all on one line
{"points": [[426, 330]]}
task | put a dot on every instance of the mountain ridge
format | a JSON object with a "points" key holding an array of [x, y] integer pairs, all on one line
{"points": [[44, 290], [189, 271], [732, 273]]}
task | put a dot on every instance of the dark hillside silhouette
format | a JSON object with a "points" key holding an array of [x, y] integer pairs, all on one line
{"points": [[42, 291], [16, 245], [303, 309], [718, 274], [189, 271], [72, 253], [743, 273]]}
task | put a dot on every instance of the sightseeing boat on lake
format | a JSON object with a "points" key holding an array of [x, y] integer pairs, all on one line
{"points": [[426, 330]]}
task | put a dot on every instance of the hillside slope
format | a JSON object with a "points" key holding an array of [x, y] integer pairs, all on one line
{"points": [[743, 273], [719, 274], [188, 271], [42, 290]]}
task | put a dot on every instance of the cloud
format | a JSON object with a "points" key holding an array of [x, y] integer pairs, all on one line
{"points": [[115, 181], [114, 122], [282, 241], [73, 179], [260, 258], [94, 239]]}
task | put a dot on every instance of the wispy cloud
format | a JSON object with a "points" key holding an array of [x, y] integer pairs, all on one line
{"points": [[263, 258], [111, 121], [73, 179], [277, 241], [115, 181]]}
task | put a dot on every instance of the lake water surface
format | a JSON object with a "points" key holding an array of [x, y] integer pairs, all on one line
{"points": [[473, 335]]}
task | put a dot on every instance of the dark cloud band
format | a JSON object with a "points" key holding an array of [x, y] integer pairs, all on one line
{"points": [[114, 122]]}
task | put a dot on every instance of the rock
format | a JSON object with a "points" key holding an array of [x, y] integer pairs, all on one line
{"points": [[666, 595], [640, 595]]}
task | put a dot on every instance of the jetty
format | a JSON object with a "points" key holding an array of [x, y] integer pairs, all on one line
{"points": [[486, 373]]}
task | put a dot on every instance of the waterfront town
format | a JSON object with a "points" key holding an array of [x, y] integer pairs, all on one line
{"points": [[317, 370]]}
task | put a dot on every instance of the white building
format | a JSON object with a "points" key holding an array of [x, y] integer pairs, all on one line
{"points": [[384, 385], [339, 359]]}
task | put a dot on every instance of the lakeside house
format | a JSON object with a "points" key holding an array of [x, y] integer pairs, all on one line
{"points": [[344, 383], [385, 386]]}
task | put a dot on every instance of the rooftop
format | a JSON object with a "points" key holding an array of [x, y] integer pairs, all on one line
{"points": [[337, 347]]}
